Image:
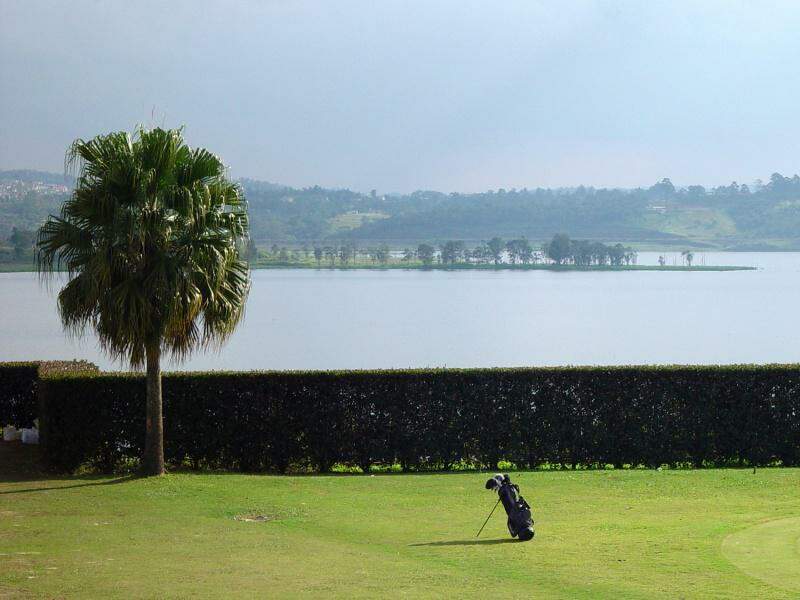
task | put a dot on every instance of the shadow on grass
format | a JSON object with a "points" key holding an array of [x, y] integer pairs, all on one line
{"points": [[22, 464], [470, 542], [72, 486]]}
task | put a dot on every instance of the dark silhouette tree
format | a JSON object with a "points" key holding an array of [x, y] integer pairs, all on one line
{"points": [[426, 253], [496, 247], [382, 254], [452, 251], [559, 248], [22, 241]]}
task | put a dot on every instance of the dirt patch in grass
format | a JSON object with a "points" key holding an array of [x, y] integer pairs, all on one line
{"points": [[256, 517]]}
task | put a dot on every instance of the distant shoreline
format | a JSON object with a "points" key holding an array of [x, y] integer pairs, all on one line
{"points": [[502, 267], [22, 268]]}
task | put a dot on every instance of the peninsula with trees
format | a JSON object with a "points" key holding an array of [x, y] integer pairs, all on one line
{"points": [[560, 253]]}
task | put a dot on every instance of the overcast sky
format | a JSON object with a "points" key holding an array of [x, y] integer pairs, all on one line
{"points": [[398, 96]]}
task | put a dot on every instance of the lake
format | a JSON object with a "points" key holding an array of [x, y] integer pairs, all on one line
{"points": [[309, 319]]}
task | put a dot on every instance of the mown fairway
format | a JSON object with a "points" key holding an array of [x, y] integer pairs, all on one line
{"points": [[624, 534]]}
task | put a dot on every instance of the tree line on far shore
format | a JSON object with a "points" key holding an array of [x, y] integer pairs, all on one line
{"points": [[560, 250]]}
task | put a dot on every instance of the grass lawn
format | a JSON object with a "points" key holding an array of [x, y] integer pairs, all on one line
{"points": [[693, 222], [623, 534]]}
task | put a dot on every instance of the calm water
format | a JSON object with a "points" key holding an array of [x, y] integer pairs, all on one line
{"points": [[307, 319]]}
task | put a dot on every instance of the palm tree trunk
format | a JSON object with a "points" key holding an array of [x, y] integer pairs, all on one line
{"points": [[153, 460]]}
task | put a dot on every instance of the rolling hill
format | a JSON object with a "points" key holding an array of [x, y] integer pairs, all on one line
{"points": [[763, 216]]}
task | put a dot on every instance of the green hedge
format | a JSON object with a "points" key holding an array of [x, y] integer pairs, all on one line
{"points": [[19, 382], [434, 419]]}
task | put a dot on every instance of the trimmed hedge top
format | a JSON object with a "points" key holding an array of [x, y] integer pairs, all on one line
{"points": [[19, 383]]}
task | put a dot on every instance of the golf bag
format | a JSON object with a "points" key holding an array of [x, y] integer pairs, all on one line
{"points": [[520, 521]]}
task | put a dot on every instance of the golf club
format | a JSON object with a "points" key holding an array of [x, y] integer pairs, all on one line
{"points": [[487, 518]]}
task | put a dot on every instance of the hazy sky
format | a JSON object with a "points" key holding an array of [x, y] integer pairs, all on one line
{"points": [[401, 96]]}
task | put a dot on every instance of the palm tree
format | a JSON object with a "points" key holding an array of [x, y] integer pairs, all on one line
{"points": [[149, 241]]}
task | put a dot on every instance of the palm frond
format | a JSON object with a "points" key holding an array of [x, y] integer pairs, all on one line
{"points": [[149, 239]]}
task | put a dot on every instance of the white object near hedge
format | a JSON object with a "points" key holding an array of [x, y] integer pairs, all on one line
{"points": [[30, 436], [11, 433]]}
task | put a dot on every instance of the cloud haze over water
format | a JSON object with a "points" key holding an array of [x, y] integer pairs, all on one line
{"points": [[416, 95]]}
